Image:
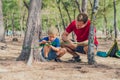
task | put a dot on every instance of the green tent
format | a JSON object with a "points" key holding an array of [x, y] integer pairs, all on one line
{"points": [[114, 50]]}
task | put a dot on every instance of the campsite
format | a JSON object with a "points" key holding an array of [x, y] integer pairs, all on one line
{"points": [[24, 24], [106, 69]]}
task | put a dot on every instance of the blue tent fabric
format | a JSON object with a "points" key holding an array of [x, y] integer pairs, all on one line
{"points": [[118, 54], [101, 54]]}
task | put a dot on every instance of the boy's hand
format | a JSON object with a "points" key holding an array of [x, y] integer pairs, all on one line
{"points": [[43, 42], [49, 42]]}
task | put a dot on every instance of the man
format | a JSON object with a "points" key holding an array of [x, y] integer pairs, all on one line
{"points": [[80, 27]]}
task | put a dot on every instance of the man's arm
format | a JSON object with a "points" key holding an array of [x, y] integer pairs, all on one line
{"points": [[65, 39], [65, 36], [67, 42]]}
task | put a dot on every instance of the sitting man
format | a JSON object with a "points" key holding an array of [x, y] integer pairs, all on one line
{"points": [[81, 28]]}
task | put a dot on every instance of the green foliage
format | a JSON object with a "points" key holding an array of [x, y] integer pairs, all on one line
{"points": [[51, 16], [109, 12], [12, 10]]}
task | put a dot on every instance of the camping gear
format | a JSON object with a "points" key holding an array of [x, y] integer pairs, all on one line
{"points": [[101, 54], [113, 50], [118, 54]]}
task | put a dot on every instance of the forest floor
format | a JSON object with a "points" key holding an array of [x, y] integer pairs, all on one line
{"points": [[106, 68]]}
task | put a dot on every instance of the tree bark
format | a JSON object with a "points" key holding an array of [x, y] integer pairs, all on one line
{"points": [[90, 3], [115, 29], [84, 6], [105, 20], [2, 30], [32, 33], [91, 59], [13, 26], [67, 11], [60, 14], [78, 5]]}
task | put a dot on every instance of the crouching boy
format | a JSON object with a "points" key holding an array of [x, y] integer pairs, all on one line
{"points": [[51, 46]]}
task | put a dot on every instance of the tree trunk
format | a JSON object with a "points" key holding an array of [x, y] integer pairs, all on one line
{"points": [[2, 35], [84, 6], [91, 59], [21, 18], [68, 17], [115, 29], [67, 11], [90, 3], [105, 20], [60, 14], [6, 26], [78, 5], [105, 27], [30, 45], [13, 26], [74, 13]]}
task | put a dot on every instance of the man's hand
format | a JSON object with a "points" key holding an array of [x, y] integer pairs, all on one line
{"points": [[65, 36], [84, 43]]}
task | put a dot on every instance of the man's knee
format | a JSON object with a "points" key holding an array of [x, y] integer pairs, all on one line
{"points": [[86, 49], [63, 50]]}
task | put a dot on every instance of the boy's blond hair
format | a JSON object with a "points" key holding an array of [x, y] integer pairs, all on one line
{"points": [[52, 31]]}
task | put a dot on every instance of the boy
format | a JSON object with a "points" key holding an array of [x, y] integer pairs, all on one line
{"points": [[51, 49]]}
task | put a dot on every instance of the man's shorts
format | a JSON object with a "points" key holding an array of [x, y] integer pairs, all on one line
{"points": [[51, 55], [80, 49]]}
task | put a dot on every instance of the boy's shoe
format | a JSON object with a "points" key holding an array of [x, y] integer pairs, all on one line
{"points": [[58, 60], [46, 58]]}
